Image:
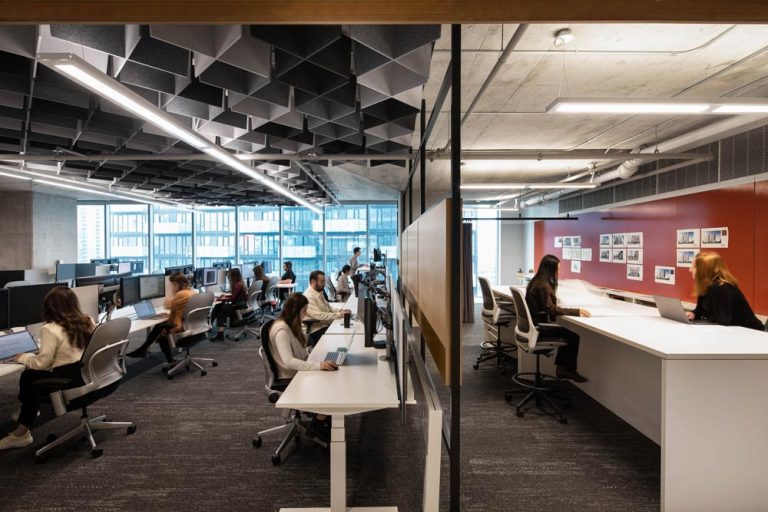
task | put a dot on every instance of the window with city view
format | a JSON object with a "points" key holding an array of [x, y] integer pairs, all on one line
{"points": [[90, 233], [302, 242], [346, 227], [214, 236], [259, 235], [128, 237], [171, 238]]}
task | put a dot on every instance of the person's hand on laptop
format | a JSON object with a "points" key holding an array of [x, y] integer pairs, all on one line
{"points": [[690, 315], [584, 313], [328, 366]]}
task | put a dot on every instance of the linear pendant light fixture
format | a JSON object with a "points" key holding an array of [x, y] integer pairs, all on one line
{"points": [[110, 89], [658, 106]]}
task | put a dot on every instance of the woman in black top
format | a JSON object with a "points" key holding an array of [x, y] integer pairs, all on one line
{"points": [[229, 303], [288, 277], [541, 298], [719, 298]]}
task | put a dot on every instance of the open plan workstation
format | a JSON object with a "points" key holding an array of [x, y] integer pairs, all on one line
{"points": [[377, 256]]}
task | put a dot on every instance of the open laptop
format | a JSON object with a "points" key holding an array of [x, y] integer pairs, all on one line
{"points": [[16, 343], [339, 355], [145, 310], [673, 309]]}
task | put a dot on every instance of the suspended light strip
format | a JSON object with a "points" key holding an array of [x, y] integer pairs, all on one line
{"points": [[78, 188], [658, 106], [110, 89], [525, 186], [15, 176]]}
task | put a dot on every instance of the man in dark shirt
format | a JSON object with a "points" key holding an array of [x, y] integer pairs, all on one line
{"points": [[288, 277]]}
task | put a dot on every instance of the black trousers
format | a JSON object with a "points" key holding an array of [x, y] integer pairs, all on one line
{"points": [[158, 333], [566, 355], [36, 385], [224, 310], [315, 336]]}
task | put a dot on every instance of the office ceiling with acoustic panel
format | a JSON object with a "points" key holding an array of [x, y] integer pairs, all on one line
{"points": [[292, 91]]}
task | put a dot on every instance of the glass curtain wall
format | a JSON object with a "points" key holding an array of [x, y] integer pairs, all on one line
{"points": [[382, 232], [485, 246], [90, 233], [345, 229], [302, 243], [171, 238], [214, 236], [128, 236], [260, 236]]}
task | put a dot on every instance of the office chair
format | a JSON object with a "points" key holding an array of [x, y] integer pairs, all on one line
{"points": [[195, 324], [103, 367], [246, 317], [331, 290], [527, 339], [274, 388], [269, 299], [496, 314]]}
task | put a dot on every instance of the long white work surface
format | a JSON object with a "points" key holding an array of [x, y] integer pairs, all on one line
{"points": [[363, 384], [697, 390]]}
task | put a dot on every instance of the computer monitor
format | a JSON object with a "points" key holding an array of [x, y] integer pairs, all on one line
{"points": [[4, 306], [85, 269], [137, 267], [7, 276], [369, 320], [362, 294], [129, 291], [151, 286], [184, 269], [124, 268], [108, 280], [26, 304], [247, 271], [211, 277], [376, 254], [222, 264], [65, 272]]}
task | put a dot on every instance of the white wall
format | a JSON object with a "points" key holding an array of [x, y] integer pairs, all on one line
{"points": [[514, 248]]}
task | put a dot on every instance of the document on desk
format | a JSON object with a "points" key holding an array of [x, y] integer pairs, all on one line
{"points": [[579, 293]]}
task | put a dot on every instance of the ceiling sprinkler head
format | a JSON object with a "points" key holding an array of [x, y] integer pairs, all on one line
{"points": [[563, 36]]}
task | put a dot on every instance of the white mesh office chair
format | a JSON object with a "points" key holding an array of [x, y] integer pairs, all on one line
{"points": [[103, 369], [269, 298], [496, 315], [248, 317], [527, 339], [274, 388], [195, 323], [333, 295]]}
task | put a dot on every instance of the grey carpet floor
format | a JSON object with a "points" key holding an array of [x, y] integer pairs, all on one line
{"points": [[192, 450]]}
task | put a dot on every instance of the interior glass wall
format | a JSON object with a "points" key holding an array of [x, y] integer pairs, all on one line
{"points": [[90, 233], [383, 231], [128, 233], [171, 238], [259, 235]]}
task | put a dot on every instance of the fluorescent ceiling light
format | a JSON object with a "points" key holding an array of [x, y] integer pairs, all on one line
{"points": [[79, 188], [524, 186], [8, 175], [658, 106], [112, 90]]}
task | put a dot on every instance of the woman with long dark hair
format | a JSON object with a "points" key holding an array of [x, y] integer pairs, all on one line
{"points": [[718, 297], [230, 303], [541, 297], [56, 366], [342, 283]]}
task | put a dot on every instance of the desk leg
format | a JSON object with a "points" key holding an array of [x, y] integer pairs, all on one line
{"points": [[713, 450], [338, 464]]}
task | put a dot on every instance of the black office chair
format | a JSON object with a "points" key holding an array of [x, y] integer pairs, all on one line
{"points": [[274, 388], [103, 367], [496, 315], [543, 387]]}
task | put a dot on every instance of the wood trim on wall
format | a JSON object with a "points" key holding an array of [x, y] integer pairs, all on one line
{"points": [[376, 11]]}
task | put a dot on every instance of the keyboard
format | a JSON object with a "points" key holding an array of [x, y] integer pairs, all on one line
{"points": [[337, 356]]}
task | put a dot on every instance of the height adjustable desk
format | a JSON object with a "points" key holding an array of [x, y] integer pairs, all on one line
{"points": [[699, 391]]}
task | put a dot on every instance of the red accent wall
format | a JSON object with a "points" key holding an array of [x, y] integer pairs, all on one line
{"points": [[743, 209]]}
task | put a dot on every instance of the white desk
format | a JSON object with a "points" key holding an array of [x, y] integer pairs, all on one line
{"points": [[286, 286], [696, 390], [10, 368], [363, 384]]}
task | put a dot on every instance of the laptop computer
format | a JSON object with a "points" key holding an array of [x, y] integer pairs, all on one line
{"points": [[673, 310], [339, 355], [145, 310], [16, 343]]}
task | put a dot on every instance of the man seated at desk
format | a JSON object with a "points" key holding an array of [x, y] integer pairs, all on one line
{"points": [[319, 311], [288, 277]]}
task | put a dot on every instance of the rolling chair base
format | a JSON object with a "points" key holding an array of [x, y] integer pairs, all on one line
{"points": [[500, 354], [85, 429], [244, 333], [295, 430], [187, 363], [542, 389]]}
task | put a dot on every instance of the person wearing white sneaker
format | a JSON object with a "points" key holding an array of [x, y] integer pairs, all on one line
{"points": [[56, 365]]}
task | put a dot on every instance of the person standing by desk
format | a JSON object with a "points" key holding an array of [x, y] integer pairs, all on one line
{"points": [[718, 296], [353, 263], [541, 298], [63, 338], [229, 303], [319, 311], [181, 294]]}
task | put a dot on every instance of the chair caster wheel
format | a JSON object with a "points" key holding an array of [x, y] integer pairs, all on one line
{"points": [[165, 369], [131, 430], [475, 366], [170, 377], [508, 396], [40, 459], [215, 364], [96, 453], [256, 442], [203, 373], [519, 413], [564, 421], [276, 461], [50, 438]]}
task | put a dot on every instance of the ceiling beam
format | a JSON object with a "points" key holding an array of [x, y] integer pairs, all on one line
{"points": [[392, 11]]}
